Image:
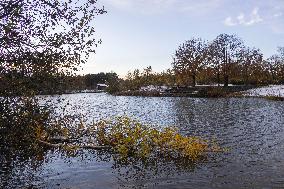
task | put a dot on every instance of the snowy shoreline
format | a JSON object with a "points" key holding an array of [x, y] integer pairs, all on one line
{"points": [[271, 90]]}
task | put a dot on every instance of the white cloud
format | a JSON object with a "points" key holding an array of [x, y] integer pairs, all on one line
{"points": [[229, 22], [276, 15], [254, 18], [242, 19]]}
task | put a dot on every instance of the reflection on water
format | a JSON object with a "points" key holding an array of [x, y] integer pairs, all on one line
{"points": [[251, 128], [100, 170]]}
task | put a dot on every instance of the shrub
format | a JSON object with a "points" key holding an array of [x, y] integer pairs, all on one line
{"points": [[22, 120]]}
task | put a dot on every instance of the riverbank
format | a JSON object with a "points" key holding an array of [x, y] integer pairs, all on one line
{"points": [[198, 91], [71, 92], [271, 92]]}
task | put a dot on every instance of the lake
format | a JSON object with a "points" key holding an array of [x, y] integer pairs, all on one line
{"points": [[252, 129]]}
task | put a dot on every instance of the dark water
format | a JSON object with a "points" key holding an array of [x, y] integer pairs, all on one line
{"points": [[252, 129]]}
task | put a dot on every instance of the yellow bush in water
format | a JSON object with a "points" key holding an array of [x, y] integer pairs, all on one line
{"points": [[131, 138]]}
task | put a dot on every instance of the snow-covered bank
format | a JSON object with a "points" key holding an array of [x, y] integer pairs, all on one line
{"points": [[271, 90], [152, 88]]}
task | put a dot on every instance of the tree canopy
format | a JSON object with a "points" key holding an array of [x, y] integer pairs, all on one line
{"points": [[189, 58], [225, 59], [41, 37]]}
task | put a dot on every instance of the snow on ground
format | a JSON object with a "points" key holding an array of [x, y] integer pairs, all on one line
{"points": [[271, 90], [213, 85], [152, 88]]}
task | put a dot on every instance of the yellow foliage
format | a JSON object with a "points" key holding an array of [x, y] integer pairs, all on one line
{"points": [[131, 138]]}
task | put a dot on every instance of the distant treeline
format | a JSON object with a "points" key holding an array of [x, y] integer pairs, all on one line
{"points": [[224, 60], [17, 83]]}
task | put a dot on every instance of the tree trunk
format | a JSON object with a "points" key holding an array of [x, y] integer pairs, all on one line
{"points": [[218, 78], [246, 81], [247, 73], [226, 81], [225, 69], [193, 80]]}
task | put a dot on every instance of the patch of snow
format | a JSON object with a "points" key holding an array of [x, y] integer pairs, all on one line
{"points": [[271, 90], [87, 91], [102, 85], [152, 88], [213, 85]]}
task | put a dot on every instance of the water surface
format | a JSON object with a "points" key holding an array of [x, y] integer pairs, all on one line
{"points": [[251, 128]]}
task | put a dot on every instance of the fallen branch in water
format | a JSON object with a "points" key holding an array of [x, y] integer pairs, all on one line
{"points": [[61, 140], [94, 147], [45, 143], [128, 137]]}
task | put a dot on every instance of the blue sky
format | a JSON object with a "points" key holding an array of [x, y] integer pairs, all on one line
{"points": [[139, 33]]}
